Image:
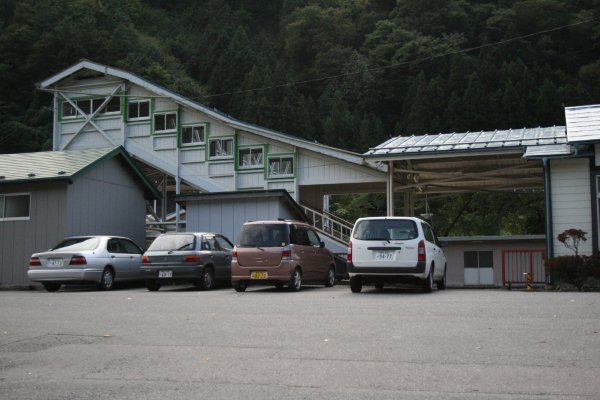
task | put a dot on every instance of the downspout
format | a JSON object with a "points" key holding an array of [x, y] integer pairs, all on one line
{"points": [[548, 203]]}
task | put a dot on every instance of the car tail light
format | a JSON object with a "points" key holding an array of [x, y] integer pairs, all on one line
{"points": [[191, 259], [421, 251], [35, 262], [286, 254], [349, 255], [145, 260], [234, 253], [78, 260]]}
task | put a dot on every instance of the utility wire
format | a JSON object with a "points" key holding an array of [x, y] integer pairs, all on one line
{"points": [[402, 64]]}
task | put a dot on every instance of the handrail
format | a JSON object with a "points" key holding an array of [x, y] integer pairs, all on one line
{"points": [[327, 225]]}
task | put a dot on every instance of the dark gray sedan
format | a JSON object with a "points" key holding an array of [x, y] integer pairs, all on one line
{"points": [[201, 258], [87, 259]]}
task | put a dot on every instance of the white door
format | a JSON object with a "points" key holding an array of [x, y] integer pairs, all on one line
{"points": [[479, 268]]}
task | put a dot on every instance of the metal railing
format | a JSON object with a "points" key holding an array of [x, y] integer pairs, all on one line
{"points": [[328, 224]]}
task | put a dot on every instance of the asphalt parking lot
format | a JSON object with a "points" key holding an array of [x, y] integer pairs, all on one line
{"points": [[180, 343]]}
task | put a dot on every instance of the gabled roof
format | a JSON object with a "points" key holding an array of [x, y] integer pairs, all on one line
{"points": [[63, 165], [213, 113], [583, 123], [452, 144]]}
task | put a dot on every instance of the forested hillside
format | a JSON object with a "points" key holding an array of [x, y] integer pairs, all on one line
{"points": [[346, 73]]}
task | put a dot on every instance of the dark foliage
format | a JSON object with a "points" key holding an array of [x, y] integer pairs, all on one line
{"points": [[573, 270], [344, 73]]}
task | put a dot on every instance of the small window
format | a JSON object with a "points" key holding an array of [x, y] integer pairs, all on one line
{"points": [[224, 243], [113, 106], [479, 259], [299, 236], [221, 148], [68, 111], [209, 243], [281, 166], [193, 135], [139, 109], [165, 122], [314, 238], [250, 157], [129, 247], [14, 206]]}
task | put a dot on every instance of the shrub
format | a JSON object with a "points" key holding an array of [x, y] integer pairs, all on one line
{"points": [[574, 270]]}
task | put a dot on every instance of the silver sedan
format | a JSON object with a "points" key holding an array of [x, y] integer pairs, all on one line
{"points": [[87, 259]]}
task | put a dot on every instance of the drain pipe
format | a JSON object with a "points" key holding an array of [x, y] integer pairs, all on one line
{"points": [[548, 202]]}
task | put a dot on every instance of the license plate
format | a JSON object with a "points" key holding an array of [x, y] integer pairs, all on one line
{"points": [[259, 275], [384, 255], [55, 262], [165, 274]]}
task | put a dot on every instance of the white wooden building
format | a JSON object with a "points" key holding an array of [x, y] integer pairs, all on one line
{"points": [[187, 147]]}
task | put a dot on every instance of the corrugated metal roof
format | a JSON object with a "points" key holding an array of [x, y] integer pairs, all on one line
{"points": [[469, 142], [63, 165], [548, 150], [583, 123], [48, 165]]}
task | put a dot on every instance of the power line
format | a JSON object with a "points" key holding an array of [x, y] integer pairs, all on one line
{"points": [[402, 64]]}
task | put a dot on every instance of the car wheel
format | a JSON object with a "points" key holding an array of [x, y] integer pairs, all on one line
{"points": [[356, 284], [152, 286], [240, 286], [330, 278], [428, 282], [51, 286], [107, 280], [441, 284], [207, 280], [379, 285], [296, 282]]}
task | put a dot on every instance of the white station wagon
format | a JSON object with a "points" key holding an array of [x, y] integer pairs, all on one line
{"points": [[395, 250]]}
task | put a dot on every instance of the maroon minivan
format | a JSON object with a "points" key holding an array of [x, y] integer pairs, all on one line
{"points": [[280, 253]]}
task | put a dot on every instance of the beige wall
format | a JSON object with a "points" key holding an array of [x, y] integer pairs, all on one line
{"points": [[456, 248]]}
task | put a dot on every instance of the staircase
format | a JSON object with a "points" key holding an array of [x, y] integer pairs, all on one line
{"points": [[334, 230]]}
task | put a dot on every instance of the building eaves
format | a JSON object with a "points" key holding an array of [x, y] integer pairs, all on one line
{"points": [[470, 143], [64, 165], [344, 155], [583, 123]]}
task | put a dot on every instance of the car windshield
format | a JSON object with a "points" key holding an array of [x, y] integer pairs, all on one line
{"points": [[172, 243], [78, 244], [385, 229], [264, 235]]}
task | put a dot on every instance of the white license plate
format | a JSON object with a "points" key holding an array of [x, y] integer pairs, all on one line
{"points": [[165, 274], [384, 255], [55, 262]]}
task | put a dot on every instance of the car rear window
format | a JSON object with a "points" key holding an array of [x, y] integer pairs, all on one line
{"points": [[78, 244], [264, 235], [173, 243], [385, 229]]}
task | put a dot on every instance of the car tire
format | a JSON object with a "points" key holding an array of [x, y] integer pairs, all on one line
{"points": [[356, 284], [441, 284], [330, 277], [152, 286], [427, 284], [51, 286], [107, 280], [240, 286], [296, 281], [207, 280], [379, 285]]}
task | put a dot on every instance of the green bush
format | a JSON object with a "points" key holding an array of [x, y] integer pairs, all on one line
{"points": [[574, 270]]}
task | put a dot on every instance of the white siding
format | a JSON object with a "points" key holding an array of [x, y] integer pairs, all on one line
{"points": [[314, 169], [571, 201]]}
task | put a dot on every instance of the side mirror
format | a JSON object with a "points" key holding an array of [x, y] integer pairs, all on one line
{"points": [[322, 244]]}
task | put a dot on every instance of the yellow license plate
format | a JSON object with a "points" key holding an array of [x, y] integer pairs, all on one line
{"points": [[259, 275]]}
